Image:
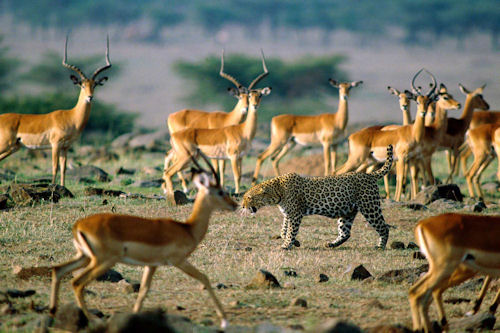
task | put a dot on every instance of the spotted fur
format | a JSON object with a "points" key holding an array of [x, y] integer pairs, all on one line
{"points": [[339, 197]]}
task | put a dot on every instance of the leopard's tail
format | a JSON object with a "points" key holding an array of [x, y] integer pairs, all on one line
{"points": [[387, 165]]}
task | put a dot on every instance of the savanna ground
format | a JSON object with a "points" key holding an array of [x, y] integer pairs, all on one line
{"points": [[235, 248]]}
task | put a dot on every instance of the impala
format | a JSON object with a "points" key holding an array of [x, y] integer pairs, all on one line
{"points": [[188, 118], [455, 133], [102, 240], [480, 141], [327, 128], [368, 143], [457, 247], [56, 130], [221, 143]]}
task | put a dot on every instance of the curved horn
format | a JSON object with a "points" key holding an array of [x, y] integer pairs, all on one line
{"points": [[72, 67], [216, 176], [108, 63], [415, 90], [261, 76], [227, 76], [434, 84]]}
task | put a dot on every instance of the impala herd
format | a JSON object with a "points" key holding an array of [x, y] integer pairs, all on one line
{"points": [[457, 246]]}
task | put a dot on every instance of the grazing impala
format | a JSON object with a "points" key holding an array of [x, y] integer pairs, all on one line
{"points": [[457, 246], [327, 128], [56, 130], [368, 143], [188, 118], [102, 240]]}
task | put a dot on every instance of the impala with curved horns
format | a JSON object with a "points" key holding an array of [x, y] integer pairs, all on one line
{"points": [[56, 130], [368, 143], [327, 128], [457, 246], [102, 240], [189, 118]]}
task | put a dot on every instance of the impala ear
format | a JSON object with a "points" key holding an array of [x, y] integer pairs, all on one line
{"points": [[393, 90], [74, 79], [266, 91], [233, 91], [409, 94], [356, 83], [334, 83], [101, 81], [463, 89], [201, 180]]}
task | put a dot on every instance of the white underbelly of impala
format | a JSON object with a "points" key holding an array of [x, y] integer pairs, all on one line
{"points": [[35, 141]]}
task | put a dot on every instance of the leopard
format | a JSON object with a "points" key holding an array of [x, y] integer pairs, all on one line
{"points": [[336, 196]]}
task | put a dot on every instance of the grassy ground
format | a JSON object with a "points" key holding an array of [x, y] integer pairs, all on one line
{"points": [[235, 248]]}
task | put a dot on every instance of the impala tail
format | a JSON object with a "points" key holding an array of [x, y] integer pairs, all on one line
{"points": [[384, 170]]}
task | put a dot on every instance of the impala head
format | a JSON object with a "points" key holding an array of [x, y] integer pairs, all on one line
{"points": [[476, 97], [255, 96], [344, 87], [404, 97], [421, 99], [446, 100], [87, 84], [240, 92], [209, 186]]}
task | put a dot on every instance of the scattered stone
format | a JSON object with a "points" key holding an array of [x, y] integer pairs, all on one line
{"points": [[123, 171], [263, 279], [290, 272], [359, 273], [477, 323], [289, 285], [323, 278], [70, 317], [149, 183], [110, 276], [147, 321], [27, 194], [418, 255], [398, 328], [415, 206], [248, 249], [336, 325], [180, 198], [435, 192], [14, 293], [88, 172], [299, 302], [445, 205], [4, 199], [100, 191], [456, 300], [180, 308], [407, 274], [479, 206], [296, 327], [25, 273], [221, 286], [127, 287], [412, 245], [397, 245]]}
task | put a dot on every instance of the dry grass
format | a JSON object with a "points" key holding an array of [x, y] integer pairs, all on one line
{"points": [[232, 252]]}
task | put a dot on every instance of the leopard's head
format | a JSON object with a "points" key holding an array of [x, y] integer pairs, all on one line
{"points": [[260, 195]]}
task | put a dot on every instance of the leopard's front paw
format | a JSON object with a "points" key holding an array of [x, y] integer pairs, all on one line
{"points": [[287, 247], [296, 243]]}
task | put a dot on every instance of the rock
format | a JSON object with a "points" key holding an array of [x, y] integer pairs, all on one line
{"points": [[263, 279], [477, 323], [122, 140], [336, 325], [70, 317], [27, 194], [290, 272], [221, 286], [412, 245], [110, 276], [359, 273], [14, 293], [398, 328], [147, 321], [151, 141], [323, 278], [300, 302], [407, 274], [445, 205], [25, 273], [479, 206], [149, 183], [123, 171], [127, 287], [435, 192], [418, 255], [100, 191], [88, 172], [181, 198], [4, 199], [397, 245], [414, 206]]}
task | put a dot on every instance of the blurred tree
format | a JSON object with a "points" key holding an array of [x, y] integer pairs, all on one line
{"points": [[8, 67]]}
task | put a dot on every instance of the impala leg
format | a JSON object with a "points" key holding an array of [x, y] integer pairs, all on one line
{"points": [[177, 166], [62, 162], [222, 169], [55, 161], [413, 179], [192, 271], [326, 157], [271, 150], [428, 171], [453, 159], [464, 156], [470, 175], [90, 273], [476, 180], [333, 157], [494, 306], [480, 298], [236, 173], [58, 272], [276, 159], [147, 277], [386, 186], [400, 168], [9, 150]]}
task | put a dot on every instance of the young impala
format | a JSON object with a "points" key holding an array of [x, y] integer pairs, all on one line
{"points": [[102, 240], [56, 130]]}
